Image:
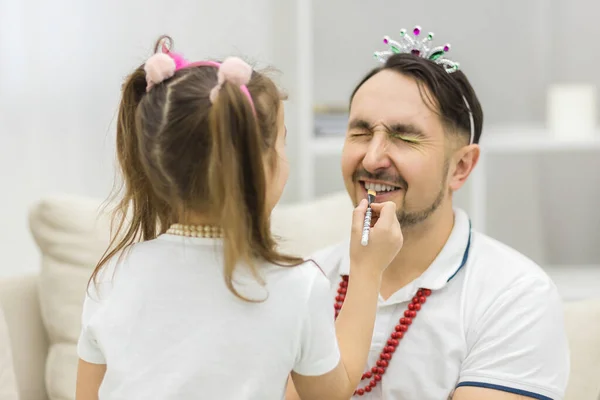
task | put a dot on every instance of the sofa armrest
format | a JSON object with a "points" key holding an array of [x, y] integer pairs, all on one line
{"points": [[29, 342]]}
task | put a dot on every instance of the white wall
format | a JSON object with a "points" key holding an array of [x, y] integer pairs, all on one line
{"points": [[61, 68]]}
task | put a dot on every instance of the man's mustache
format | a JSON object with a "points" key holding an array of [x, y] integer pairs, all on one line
{"points": [[395, 180]]}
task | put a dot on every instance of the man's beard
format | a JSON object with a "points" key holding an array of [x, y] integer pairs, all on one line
{"points": [[407, 218], [410, 219]]}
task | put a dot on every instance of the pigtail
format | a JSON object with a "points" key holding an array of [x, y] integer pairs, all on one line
{"points": [[140, 214], [236, 178], [189, 145]]}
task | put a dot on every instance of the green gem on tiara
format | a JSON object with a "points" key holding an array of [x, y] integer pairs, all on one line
{"points": [[418, 47], [436, 55]]}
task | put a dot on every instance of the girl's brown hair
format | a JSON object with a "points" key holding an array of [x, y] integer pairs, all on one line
{"points": [[179, 154]]}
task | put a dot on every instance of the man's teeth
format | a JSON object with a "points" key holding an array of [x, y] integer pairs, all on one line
{"points": [[378, 187]]}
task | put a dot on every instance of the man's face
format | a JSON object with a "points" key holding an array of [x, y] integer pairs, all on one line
{"points": [[395, 144]]}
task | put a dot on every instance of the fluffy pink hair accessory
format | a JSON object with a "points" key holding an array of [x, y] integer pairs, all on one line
{"points": [[233, 70], [159, 67]]}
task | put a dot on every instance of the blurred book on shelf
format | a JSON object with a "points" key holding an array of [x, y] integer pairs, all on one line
{"points": [[330, 121]]}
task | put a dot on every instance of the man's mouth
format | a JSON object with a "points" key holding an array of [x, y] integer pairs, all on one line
{"points": [[379, 187]]}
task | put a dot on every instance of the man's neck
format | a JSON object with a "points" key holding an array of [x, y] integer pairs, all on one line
{"points": [[421, 246]]}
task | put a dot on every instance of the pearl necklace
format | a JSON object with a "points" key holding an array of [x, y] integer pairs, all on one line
{"points": [[201, 231], [377, 371]]}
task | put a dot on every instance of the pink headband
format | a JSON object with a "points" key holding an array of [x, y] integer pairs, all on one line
{"points": [[163, 65]]}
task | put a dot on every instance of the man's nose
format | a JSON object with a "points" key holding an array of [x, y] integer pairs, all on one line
{"points": [[377, 154]]}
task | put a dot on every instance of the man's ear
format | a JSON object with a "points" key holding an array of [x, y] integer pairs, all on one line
{"points": [[463, 161]]}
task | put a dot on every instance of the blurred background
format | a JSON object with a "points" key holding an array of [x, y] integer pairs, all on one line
{"points": [[63, 63], [533, 64]]}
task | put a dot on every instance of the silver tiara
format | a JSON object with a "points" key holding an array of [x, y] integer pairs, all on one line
{"points": [[412, 44], [422, 48]]}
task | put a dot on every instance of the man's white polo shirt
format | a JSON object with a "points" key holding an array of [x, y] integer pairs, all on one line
{"points": [[494, 320]]}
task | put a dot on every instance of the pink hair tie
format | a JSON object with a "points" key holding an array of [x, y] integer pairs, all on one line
{"points": [[236, 71], [158, 68], [163, 66]]}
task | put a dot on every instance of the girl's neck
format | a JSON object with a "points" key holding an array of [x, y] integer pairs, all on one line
{"points": [[197, 219]]}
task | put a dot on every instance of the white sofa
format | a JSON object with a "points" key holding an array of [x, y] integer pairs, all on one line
{"points": [[42, 311]]}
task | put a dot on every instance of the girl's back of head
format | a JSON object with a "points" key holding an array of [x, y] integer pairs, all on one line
{"points": [[200, 143]]}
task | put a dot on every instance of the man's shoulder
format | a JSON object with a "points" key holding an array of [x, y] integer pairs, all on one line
{"points": [[497, 265], [494, 251], [511, 306], [331, 257]]}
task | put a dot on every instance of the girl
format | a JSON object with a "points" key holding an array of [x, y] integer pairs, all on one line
{"points": [[192, 300]]}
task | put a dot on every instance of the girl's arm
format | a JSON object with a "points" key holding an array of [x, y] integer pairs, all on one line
{"points": [[89, 378], [354, 325]]}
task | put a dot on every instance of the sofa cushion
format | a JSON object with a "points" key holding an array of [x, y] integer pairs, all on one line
{"points": [[72, 235], [20, 304], [61, 371], [304, 228]]}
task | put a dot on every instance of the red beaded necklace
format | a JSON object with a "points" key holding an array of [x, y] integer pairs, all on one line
{"points": [[399, 331]]}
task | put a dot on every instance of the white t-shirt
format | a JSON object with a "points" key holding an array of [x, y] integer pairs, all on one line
{"points": [[494, 320], [167, 327]]}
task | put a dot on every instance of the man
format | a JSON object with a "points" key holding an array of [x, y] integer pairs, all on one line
{"points": [[489, 322]]}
